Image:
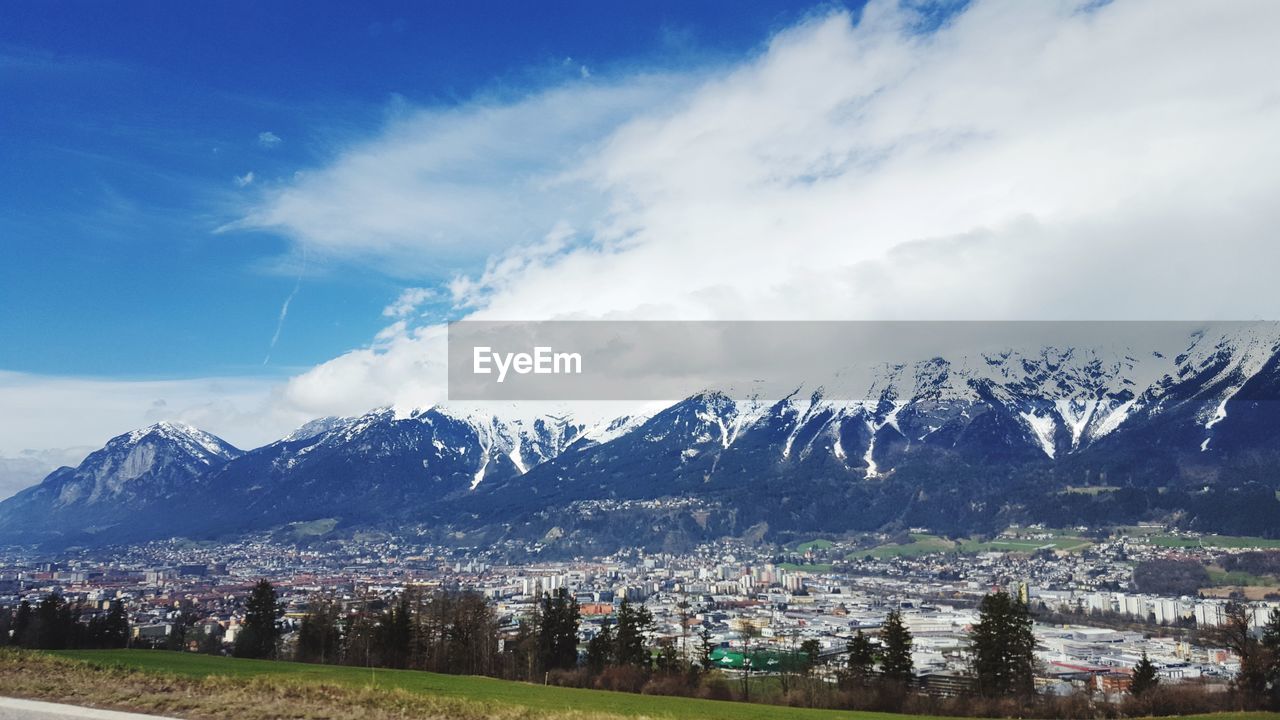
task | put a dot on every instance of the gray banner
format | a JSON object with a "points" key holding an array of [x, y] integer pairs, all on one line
{"points": [[668, 360]]}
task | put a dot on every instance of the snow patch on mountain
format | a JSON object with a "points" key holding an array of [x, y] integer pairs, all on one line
{"points": [[1042, 427]]}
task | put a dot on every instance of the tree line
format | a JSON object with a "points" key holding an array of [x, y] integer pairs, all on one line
{"points": [[458, 632], [55, 624], [1259, 678]]}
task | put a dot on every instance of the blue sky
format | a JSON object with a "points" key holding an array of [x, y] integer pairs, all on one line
{"points": [[126, 125], [179, 182]]}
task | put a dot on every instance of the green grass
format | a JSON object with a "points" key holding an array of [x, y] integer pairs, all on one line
{"points": [[489, 692], [924, 544], [1224, 578], [313, 528], [1236, 542], [480, 689], [1008, 544], [818, 544], [814, 568], [921, 544], [1004, 545]]}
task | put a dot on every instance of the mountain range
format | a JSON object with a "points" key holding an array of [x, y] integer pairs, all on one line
{"points": [[1065, 436]]}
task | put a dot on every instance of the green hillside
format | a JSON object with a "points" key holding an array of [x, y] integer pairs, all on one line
{"points": [[200, 686], [553, 700]]}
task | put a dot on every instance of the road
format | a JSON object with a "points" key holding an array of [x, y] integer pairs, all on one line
{"points": [[15, 709]]}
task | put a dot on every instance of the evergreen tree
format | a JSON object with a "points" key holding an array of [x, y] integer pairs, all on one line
{"points": [[393, 638], [1271, 631], [895, 662], [1144, 676], [259, 634], [54, 623], [750, 633], [862, 657], [809, 650], [600, 648], [1003, 647], [558, 635], [631, 646], [668, 660], [1271, 648], [211, 642], [22, 620], [705, 648], [115, 629], [319, 638]]}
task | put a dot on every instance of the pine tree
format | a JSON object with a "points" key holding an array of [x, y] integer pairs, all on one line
{"points": [[319, 638], [22, 625], [53, 624], [634, 624], [896, 663], [395, 633], [1271, 631], [809, 650], [862, 658], [211, 643], [1271, 648], [558, 633], [115, 631], [668, 660], [600, 648], [1144, 677], [259, 634], [1003, 647], [705, 648]]}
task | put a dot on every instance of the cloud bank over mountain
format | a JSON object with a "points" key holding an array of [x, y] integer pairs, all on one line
{"points": [[1050, 160], [1023, 161]]}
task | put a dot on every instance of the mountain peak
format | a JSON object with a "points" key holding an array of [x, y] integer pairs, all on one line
{"points": [[201, 445]]}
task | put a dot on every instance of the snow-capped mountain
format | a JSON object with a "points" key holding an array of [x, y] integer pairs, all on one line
{"points": [[960, 443], [154, 467]]}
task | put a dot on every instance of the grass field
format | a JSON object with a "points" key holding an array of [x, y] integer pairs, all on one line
{"points": [[1231, 542], [551, 700], [313, 528], [201, 686], [814, 568], [1238, 578], [923, 544], [1027, 545]]}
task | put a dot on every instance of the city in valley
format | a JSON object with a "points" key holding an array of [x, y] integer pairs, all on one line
{"points": [[1100, 599]]}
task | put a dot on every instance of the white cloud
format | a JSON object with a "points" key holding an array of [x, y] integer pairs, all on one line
{"points": [[1061, 159], [244, 180], [445, 185], [1027, 160], [404, 367], [409, 302], [269, 140], [31, 466], [43, 411]]}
